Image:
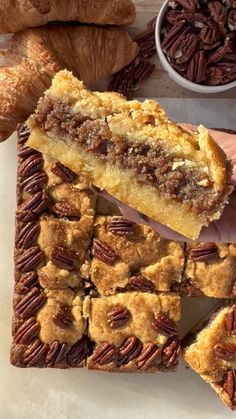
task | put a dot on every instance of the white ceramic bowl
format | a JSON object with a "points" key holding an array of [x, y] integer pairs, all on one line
{"points": [[195, 87]]}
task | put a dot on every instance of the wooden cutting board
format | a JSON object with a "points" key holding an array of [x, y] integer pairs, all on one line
{"points": [[160, 84]]}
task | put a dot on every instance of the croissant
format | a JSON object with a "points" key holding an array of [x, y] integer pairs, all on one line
{"points": [[35, 55], [16, 15]]}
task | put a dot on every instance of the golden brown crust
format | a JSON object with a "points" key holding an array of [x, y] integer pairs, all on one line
{"points": [[17, 15], [35, 55]]}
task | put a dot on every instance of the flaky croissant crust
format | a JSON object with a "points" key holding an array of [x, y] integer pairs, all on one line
{"points": [[16, 15], [35, 55]]}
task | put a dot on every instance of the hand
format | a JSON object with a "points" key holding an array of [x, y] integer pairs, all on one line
{"points": [[223, 230]]}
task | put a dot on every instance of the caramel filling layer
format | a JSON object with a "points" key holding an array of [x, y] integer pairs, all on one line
{"points": [[154, 166]]}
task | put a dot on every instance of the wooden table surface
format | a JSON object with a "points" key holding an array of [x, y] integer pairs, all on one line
{"points": [[160, 84]]}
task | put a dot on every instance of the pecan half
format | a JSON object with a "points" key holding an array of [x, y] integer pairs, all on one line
{"points": [[140, 283], [229, 385], [179, 29], [228, 70], [150, 354], [30, 303], [35, 353], [23, 133], [36, 204], [120, 226], [27, 235], [63, 258], [103, 252], [230, 322], [142, 72], [104, 354], [27, 282], [78, 352], [56, 354], [164, 325], [217, 11], [171, 352], [191, 5], [130, 349], [43, 6], [197, 66], [172, 16], [225, 351], [217, 55], [31, 165], [27, 332], [63, 209], [63, 172], [118, 316], [29, 259], [24, 152], [232, 20], [35, 183], [63, 317], [210, 33], [214, 76], [183, 48], [209, 47], [204, 252]]}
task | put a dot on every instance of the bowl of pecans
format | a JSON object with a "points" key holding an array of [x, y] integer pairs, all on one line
{"points": [[196, 43]]}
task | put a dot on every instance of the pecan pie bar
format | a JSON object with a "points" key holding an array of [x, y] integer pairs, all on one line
{"points": [[211, 352], [210, 270], [135, 152], [132, 257], [134, 332], [54, 224]]}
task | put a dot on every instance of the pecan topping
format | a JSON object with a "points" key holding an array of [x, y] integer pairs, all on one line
{"points": [[217, 11], [118, 316], [78, 352], [230, 322], [56, 354], [103, 252], [36, 204], [204, 252], [225, 351], [210, 33], [149, 355], [30, 166], [63, 172], [164, 325], [30, 303], [25, 216], [27, 332], [29, 259], [23, 133], [191, 5], [119, 226], [63, 209], [35, 353], [43, 6], [27, 235], [63, 258], [171, 352], [26, 282], [129, 350], [140, 283], [229, 385], [197, 66], [183, 48], [104, 354], [35, 183], [232, 20], [24, 152], [63, 318]]}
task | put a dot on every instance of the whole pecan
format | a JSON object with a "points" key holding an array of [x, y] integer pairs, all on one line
{"points": [[78, 352], [204, 252], [230, 322], [150, 355], [35, 353], [232, 20], [229, 385], [129, 350], [56, 354], [35, 183], [104, 252], [140, 283], [214, 76], [171, 351], [120, 226], [217, 11], [183, 48], [27, 281], [63, 172], [29, 259], [225, 351], [210, 33], [63, 317], [63, 258], [118, 316], [191, 5], [27, 332], [197, 66], [27, 235], [43, 6], [36, 204], [31, 165], [30, 303], [164, 325], [104, 354], [23, 133]]}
